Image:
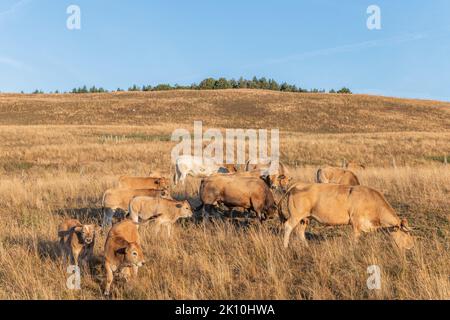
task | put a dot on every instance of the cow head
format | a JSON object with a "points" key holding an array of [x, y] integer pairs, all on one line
{"points": [[402, 237], [162, 183], [132, 254], [87, 232], [185, 209], [272, 211]]}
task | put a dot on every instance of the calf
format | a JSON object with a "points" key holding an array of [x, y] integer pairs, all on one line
{"points": [[155, 183], [77, 241], [165, 211], [114, 199], [123, 252]]}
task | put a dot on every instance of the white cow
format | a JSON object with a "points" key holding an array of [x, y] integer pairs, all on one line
{"points": [[195, 166]]}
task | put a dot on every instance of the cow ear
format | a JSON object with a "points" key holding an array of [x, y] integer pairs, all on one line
{"points": [[121, 251], [78, 229]]}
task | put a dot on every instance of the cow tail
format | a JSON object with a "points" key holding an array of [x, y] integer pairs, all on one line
{"points": [[318, 174], [281, 214]]}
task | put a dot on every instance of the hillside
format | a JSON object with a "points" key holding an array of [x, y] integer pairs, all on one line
{"points": [[298, 112], [59, 153]]}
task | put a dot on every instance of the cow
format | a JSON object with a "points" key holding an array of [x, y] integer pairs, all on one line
{"points": [[337, 176], [77, 241], [248, 193], [114, 199], [195, 166], [155, 183], [363, 208], [123, 252], [164, 211]]}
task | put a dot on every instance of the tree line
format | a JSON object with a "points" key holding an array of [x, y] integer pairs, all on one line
{"points": [[214, 84]]}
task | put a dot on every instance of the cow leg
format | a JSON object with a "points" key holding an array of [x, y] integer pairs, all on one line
{"points": [[75, 257], [169, 229], [109, 278], [300, 230], [289, 225], [206, 211], [135, 271], [107, 217]]}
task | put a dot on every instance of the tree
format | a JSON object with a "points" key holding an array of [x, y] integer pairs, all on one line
{"points": [[134, 88], [222, 83], [344, 90], [207, 84]]}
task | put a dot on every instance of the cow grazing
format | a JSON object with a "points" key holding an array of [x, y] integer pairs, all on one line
{"points": [[248, 193], [195, 166], [337, 176], [123, 252], [155, 183], [77, 241], [114, 199], [164, 211], [363, 208]]}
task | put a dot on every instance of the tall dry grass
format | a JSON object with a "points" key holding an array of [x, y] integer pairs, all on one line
{"points": [[55, 168]]}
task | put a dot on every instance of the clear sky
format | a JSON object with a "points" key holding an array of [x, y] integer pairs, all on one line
{"points": [[313, 44]]}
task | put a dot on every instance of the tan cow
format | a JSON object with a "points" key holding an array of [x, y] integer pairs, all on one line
{"points": [[365, 209], [337, 176], [114, 199], [165, 211], [248, 193], [77, 241], [123, 252], [156, 183]]}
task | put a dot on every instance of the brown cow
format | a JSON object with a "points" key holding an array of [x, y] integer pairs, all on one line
{"points": [[362, 207], [123, 252], [77, 241], [247, 193], [156, 183], [114, 199], [337, 176], [164, 211]]}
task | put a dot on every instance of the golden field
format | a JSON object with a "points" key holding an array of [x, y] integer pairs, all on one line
{"points": [[58, 153]]}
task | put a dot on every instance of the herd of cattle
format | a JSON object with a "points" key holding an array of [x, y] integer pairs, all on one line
{"points": [[337, 198]]}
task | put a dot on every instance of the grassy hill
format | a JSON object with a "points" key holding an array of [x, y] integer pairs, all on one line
{"points": [[59, 153], [299, 112]]}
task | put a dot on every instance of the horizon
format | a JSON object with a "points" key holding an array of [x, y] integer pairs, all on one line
{"points": [[321, 44]]}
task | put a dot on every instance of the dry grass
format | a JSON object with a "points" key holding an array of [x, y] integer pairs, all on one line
{"points": [[59, 153]]}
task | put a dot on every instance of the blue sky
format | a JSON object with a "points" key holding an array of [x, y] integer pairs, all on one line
{"points": [[314, 44]]}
